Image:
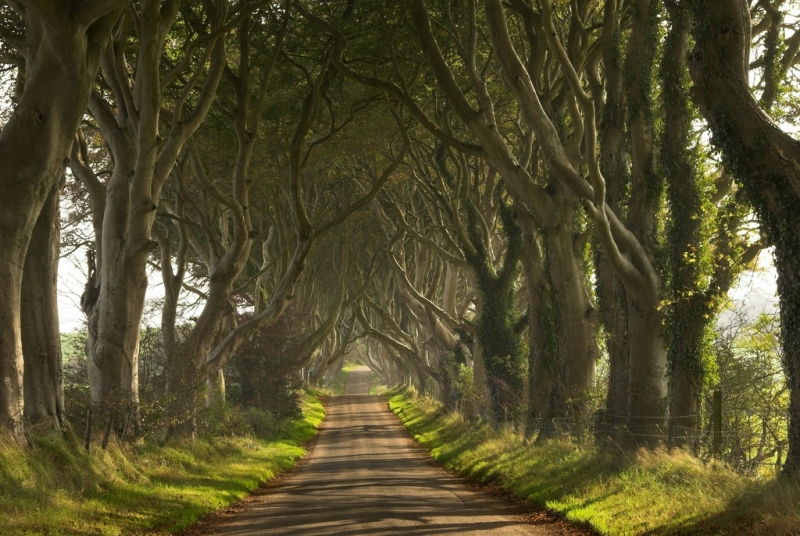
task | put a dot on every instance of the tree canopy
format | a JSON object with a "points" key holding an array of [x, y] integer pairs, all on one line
{"points": [[532, 210]]}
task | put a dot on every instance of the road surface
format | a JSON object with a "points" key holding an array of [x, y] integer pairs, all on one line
{"points": [[367, 477]]}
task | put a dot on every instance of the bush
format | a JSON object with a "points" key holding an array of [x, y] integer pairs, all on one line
{"points": [[264, 423], [223, 420]]}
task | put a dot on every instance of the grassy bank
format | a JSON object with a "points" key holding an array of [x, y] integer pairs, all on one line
{"points": [[643, 493], [56, 488]]}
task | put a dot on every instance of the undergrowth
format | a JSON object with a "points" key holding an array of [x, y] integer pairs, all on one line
{"points": [[647, 492], [54, 487]]}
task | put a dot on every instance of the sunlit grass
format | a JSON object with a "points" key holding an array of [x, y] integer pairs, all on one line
{"points": [[647, 492], [376, 386], [56, 488]]}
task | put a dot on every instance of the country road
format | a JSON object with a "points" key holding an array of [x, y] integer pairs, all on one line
{"points": [[367, 477]]}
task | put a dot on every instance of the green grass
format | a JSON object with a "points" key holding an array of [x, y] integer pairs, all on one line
{"points": [[376, 387], [350, 367], [56, 488], [643, 493]]}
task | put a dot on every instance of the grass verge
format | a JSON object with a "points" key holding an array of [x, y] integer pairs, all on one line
{"points": [[376, 386], [647, 492], [56, 488]]}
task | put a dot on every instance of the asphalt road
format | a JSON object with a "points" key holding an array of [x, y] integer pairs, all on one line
{"points": [[366, 476]]}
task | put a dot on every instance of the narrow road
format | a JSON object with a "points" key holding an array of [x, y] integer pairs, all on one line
{"points": [[366, 476]]}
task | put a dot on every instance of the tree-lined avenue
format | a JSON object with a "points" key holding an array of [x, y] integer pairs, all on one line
{"points": [[367, 477]]}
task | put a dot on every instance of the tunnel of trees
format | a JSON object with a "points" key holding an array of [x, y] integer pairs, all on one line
{"points": [[531, 210]]}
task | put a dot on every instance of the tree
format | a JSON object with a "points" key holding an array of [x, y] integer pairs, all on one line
{"points": [[647, 385], [63, 42], [130, 111], [762, 157]]}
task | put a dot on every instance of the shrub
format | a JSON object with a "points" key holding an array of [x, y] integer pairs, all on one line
{"points": [[225, 420]]}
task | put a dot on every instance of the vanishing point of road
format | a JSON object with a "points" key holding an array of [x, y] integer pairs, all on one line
{"points": [[367, 477]]}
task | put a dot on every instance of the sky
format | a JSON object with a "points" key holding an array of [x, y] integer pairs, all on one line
{"points": [[755, 292]]}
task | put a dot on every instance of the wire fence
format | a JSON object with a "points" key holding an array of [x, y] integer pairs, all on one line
{"points": [[746, 440]]}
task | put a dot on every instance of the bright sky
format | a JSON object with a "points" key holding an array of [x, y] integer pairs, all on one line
{"points": [[71, 280], [755, 293]]}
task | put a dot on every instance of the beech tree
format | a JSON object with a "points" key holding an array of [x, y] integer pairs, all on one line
{"points": [[224, 257], [131, 111], [760, 155], [479, 199], [63, 42]]}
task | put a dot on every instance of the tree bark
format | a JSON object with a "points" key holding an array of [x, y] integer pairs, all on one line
{"points": [[689, 313], [41, 338], [113, 303], [647, 371], [647, 379], [610, 291], [575, 316], [63, 42], [143, 158], [763, 158], [542, 332]]}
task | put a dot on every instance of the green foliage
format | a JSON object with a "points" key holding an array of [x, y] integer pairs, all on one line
{"points": [[56, 488], [755, 395], [465, 385], [648, 492], [223, 420], [503, 350]]}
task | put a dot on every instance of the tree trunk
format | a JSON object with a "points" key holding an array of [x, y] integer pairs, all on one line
{"points": [[11, 364], [215, 395], [113, 338], [610, 292], [787, 260], [542, 339], [614, 314], [480, 383], [576, 320], [62, 45], [691, 309], [647, 376], [763, 158], [41, 338]]}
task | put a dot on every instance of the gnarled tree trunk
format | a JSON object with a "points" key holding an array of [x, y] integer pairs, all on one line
{"points": [[63, 42]]}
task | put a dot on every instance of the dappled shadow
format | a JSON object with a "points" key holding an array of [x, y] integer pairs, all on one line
{"points": [[560, 480], [367, 477]]}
